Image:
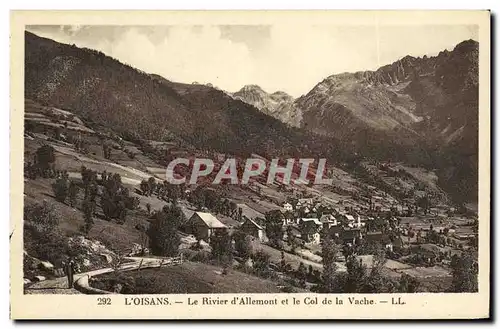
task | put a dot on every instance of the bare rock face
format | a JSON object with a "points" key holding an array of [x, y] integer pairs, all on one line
{"points": [[46, 266], [422, 109], [405, 96], [39, 278], [91, 253], [136, 250], [279, 104]]}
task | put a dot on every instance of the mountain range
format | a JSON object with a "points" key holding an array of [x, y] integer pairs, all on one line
{"points": [[426, 105], [423, 111]]}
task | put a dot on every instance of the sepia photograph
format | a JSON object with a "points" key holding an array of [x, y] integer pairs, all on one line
{"points": [[253, 158]]}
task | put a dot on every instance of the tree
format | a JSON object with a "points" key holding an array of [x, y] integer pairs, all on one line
{"points": [[148, 208], [151, 185], [45, 159], [464, 270], [91, 191], [61, 189], [174, 192], [210, 197], [113, 204], [356, 275], [115, 199], [283, 264], [242, 244], [163, 237], [144, 187], [424, 203], [302, 274], [274, 228], [307, 229], [261, 262], [292, 240], [222, 248], [408, 284], [375, 282], [329, 252], [132, 203], [88, 208], [42, 216], [72, 193], [42, 238], [106, 150], [88, 176], [232, 208], [225, 208]]}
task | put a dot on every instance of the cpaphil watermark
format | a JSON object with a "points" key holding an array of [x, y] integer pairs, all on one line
{"points": [[232, 171]]}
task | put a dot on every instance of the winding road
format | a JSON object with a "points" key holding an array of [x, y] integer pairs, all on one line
{"points": [[60, 285]]}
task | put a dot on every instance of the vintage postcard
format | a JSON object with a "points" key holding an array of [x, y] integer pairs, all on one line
{"points": [[250, 165]]}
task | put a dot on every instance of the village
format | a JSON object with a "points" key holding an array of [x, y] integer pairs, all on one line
{"points": [[419, 238]]}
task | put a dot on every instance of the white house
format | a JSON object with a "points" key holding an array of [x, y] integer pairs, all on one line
{"points": [[350, 218], [287, 207], [305, 202], [328, 220]]}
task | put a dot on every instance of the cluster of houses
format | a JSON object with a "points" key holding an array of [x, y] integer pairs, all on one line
{"points": [[343, 224], [349, 228], [308, 221]]}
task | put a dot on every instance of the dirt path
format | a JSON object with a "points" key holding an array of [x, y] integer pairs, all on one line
{"points": [[139, 174]]}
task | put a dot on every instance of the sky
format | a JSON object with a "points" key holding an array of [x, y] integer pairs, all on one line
{"points": [[289, 58]]}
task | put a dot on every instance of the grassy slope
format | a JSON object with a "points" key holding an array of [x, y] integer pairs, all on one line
{"points": [[199, 278], [117, 237]]}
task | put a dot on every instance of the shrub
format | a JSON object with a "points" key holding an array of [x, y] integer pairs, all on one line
{"points": [[61, 189], [41, 216]]}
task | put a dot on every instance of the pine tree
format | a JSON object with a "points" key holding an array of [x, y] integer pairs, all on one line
{"points": [[302, 274], [45, 159], [329, 252], [274, 228], [222, 248], [242, 245], [88, 208], [356, 275], [73, 193]]}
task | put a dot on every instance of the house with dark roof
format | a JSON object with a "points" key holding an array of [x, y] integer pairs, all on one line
{"points": [[251, 227], [389, 242], [335, 231], [310, 228], [351, 236]]}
